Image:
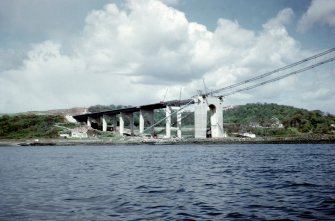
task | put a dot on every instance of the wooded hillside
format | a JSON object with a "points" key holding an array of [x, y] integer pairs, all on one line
{"points": [[29, 126], [258, 117]]}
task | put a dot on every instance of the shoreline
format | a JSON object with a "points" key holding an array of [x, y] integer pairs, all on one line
{"points": [[320, 139]]}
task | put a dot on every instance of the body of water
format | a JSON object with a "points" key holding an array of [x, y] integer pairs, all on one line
{"points": [[182, 182]]}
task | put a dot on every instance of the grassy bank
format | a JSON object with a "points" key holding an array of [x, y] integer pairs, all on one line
{"points": [[325, 139], [29, 126]]}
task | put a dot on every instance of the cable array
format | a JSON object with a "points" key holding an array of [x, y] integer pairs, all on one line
{"points": [[280, 77], [274, 72], [158, 122], [258, 78]]}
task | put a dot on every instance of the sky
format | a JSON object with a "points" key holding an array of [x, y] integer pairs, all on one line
{"points": [[78, 53]]}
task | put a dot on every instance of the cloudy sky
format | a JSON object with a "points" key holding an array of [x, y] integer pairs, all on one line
{"points": [[62, 54]]}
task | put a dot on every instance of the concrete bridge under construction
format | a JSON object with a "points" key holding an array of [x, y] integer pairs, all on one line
{"points": [[202, 104]]}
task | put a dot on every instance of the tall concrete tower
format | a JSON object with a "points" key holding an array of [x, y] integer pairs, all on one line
{"points": [[202, 104]]}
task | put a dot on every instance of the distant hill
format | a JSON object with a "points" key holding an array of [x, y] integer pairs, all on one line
{"points": [[70, 111], [278, 119], [36, 124]]}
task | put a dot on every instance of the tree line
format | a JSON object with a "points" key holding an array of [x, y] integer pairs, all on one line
{"points": [[259, 117]]}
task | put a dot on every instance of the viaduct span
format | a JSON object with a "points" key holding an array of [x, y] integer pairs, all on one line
{"points": [[202, 104]]}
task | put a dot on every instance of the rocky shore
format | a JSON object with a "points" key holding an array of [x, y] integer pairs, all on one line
{"points": [[310, 139]]}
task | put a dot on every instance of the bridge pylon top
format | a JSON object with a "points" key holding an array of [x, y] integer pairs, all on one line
{"points": [[207, 98]]}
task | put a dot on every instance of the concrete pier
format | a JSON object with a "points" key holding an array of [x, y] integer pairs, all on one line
{"points": [[151, 120], [142, 121], [200, 117], [104, 120], [168, 111], [89, 121], [146, 115], [122, 117], [202, 104], [131, 119], [114, 121], [179, 118]]}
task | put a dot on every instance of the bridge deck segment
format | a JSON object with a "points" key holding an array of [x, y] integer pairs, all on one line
{"points": [[148, 109]]}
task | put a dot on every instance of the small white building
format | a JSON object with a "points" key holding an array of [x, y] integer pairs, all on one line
{"points": [[250, 135], [276, 123], [64, 135]]}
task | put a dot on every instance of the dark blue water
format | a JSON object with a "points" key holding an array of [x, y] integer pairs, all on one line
{"points": [[214, 182]]}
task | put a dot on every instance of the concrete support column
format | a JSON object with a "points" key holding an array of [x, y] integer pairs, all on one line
{"points": [[200, 117], [89, 121], [168, 122], [179, 112], [150, 117], [114, 121], [221, 132], [214, 121], [122, 117], [142, 121], [104, 119], [131, 119], [216, 116]]}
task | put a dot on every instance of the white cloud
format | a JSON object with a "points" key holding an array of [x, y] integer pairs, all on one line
{"points": [[171, 2], [320, 11], [131, 56], [283, 18]]}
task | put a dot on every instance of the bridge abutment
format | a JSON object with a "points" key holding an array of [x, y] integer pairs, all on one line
{"points": [[94, 120]]}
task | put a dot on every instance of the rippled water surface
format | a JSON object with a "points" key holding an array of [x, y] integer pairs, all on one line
{"points": [[214, 182]]}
